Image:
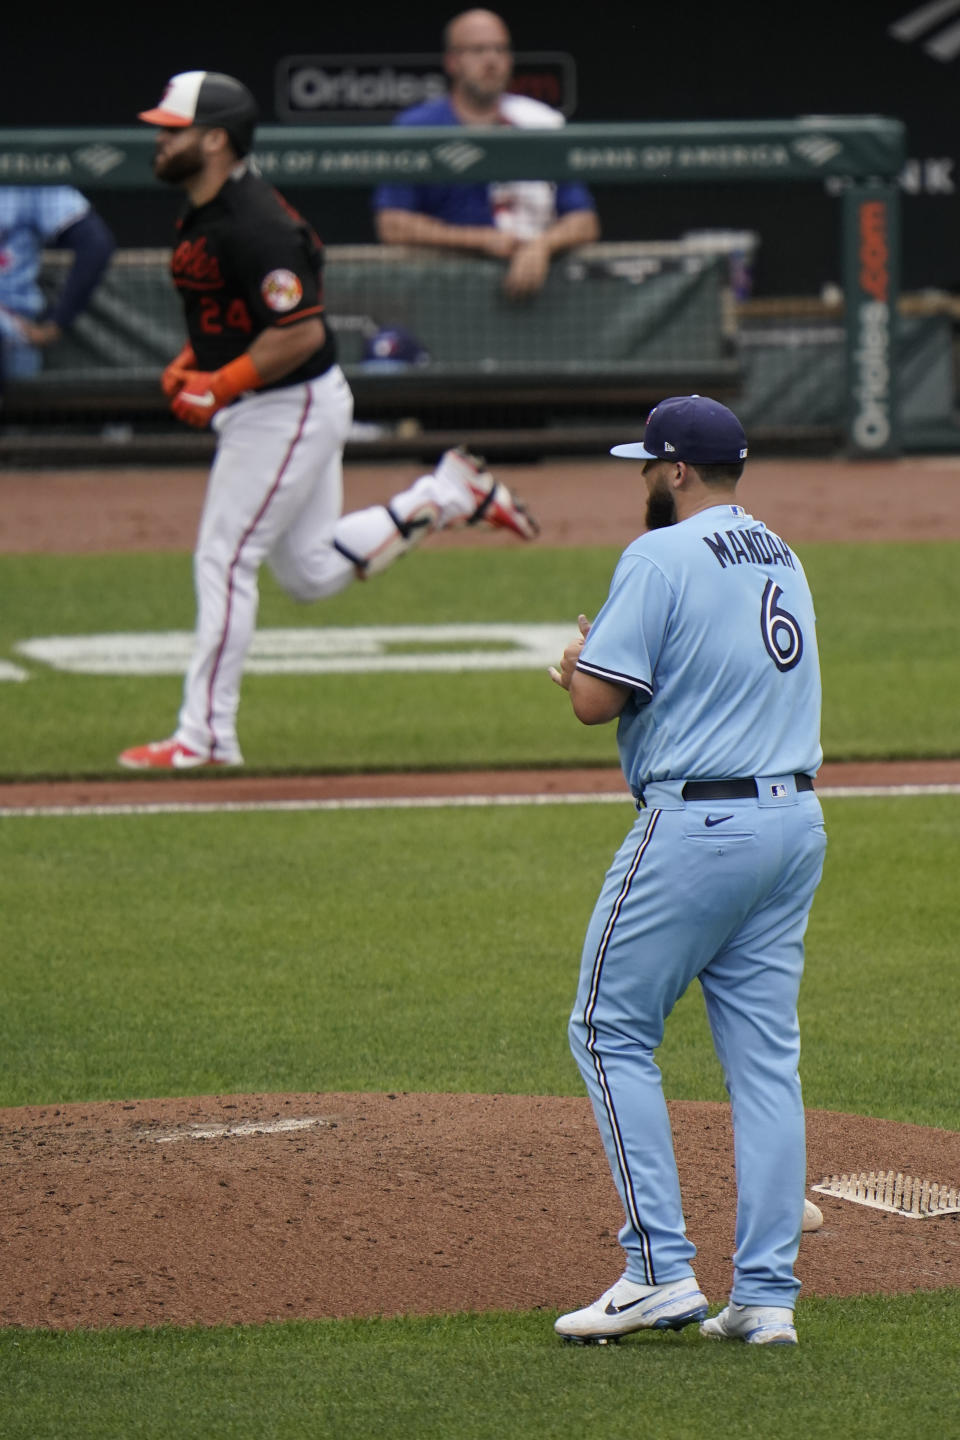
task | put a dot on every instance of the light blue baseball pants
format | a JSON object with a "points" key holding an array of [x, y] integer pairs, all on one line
{"points": [[727, 903]]}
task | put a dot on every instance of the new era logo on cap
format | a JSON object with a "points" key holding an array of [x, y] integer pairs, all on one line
{"points": [[692, 428]]}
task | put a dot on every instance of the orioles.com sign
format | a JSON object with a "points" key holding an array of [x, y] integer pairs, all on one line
{"points": [[347, 89], [872, 379]]}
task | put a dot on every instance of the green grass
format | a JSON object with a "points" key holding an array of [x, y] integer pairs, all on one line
{"points": [[198, 954], [888, 623], [193, 954], [485, 1377], [175, 955], [875, 1000], [889, 635]]}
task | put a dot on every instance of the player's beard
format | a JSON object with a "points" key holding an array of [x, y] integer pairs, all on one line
{"points": [[661, 506], [174, 169]]}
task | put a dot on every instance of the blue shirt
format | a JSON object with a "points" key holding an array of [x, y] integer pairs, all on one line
{"points": [[31, 217], [710, 624], [459, 204]]}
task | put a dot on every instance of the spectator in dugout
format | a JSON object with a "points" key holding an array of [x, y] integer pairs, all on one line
{"points": [[32, 218], [523, 222]]}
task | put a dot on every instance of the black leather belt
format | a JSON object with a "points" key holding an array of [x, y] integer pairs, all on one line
{"points": [[745, 789]]}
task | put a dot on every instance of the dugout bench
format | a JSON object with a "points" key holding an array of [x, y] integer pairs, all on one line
{"points": [[615, 327]]}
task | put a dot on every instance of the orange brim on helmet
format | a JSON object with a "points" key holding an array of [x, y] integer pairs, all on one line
{"points": [[166, 118]]}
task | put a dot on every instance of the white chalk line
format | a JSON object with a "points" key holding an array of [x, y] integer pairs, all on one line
{"points": [[418, 802], [246, 1127]]}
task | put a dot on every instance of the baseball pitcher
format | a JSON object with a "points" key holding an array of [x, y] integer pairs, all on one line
{"points": [[705, 653]]}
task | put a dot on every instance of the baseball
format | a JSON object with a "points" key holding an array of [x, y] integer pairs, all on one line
{"points": [[812, 1216]]}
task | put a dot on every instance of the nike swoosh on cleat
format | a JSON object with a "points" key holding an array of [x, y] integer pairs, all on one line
{"points": [[182, 761], [710, 821], [612, 1309]]}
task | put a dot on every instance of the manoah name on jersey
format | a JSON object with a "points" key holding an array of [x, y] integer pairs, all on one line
{"points": [[753, 547]]}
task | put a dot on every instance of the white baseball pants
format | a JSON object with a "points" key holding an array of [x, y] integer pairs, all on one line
{"points": [[275, 494]]}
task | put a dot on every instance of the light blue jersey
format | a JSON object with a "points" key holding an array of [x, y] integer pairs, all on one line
{"points": [[31, 216], [710, 623]]}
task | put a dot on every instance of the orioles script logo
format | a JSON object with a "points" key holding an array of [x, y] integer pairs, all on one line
{"points": [[191, 265]]}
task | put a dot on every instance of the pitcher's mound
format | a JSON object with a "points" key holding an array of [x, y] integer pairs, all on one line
{"points": [[268, 1207]]}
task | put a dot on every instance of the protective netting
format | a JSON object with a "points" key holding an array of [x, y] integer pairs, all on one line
{"points": [[603, 306]]}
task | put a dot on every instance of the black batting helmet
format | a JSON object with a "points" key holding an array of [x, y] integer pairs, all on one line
{"points": [[205, 97]]}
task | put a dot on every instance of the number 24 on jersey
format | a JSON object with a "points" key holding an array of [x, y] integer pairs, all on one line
{"points": [[214, 319]]}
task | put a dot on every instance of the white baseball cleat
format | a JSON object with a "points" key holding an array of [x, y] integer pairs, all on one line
{"points": [[628, 1306], [756, 1324], [490, 501]]}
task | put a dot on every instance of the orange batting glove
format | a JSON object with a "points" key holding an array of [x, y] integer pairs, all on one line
{"points": [[173, 378], [205, 392]]}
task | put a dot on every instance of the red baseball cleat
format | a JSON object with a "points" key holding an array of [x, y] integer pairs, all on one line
{"points": [[166, 755], [495, 504]]}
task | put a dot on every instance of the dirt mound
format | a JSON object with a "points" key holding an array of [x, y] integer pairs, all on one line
{"points": [[130, 1215]]}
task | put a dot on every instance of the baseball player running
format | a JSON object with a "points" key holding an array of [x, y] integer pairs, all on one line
{"points": [[705, 652], [260, 366]]}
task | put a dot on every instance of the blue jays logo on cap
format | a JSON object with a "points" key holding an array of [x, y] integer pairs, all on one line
{"points": [[392, 347], [692, 428]]}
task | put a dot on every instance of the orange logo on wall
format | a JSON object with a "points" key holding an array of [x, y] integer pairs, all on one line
{"points": [[874, 250]]}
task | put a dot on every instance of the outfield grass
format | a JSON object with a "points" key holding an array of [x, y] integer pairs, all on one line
{"points": [[198, 954], [884, 1365], [888, 638]]}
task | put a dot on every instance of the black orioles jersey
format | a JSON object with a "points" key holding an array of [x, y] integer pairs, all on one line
{"points": [[243, 262]]}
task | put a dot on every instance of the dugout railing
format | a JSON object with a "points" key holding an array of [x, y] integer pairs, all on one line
{"points": [[615, 325]]}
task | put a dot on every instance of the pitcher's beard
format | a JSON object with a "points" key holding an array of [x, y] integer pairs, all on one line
{"points": [[661, 509]]}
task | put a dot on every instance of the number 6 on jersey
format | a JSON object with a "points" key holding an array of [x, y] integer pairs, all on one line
{"points": [[781, 632]]}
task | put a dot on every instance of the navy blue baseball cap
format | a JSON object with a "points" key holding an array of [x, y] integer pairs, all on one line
{"points": [[693, 428], [395, 346]]}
